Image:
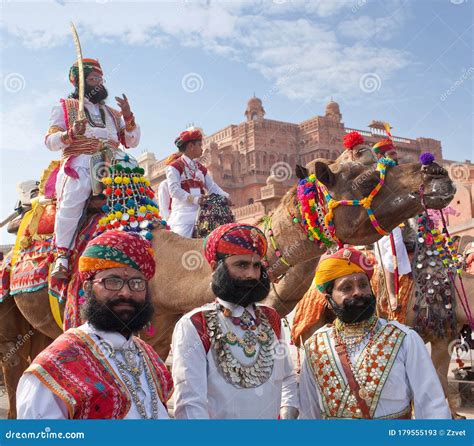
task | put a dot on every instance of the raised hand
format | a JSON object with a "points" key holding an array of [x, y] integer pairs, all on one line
{"points": [[122, 102]]}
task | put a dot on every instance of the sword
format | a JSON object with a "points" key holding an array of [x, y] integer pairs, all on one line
{"points": [[80, 67]]}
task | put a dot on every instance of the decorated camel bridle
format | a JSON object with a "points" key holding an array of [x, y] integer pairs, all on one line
{"points": [[317, 207]]}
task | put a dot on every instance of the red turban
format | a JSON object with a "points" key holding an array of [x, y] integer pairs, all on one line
{"points": [[234, 239], [191, 134], [117, 249], [342, 263], [89, 65]]}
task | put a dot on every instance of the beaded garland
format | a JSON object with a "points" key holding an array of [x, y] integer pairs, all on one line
{"points": [[443, 243], [311, 204], [130, 201]]}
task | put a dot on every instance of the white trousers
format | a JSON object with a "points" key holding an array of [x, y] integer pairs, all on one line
{"points": [[72, 195], [183, 230]]}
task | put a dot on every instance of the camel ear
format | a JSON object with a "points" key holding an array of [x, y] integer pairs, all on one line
{"points": [[324, 174], [301, 172]]}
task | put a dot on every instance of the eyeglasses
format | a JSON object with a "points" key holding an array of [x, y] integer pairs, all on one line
{"points": [[116, 283]]}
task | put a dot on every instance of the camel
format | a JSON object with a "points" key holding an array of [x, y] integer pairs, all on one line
{"points": [[182, 280], [441, 347]]}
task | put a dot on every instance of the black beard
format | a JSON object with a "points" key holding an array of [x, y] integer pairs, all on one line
{"points": [[103, 316], [356, 309], [237, 291], [94, 94]]}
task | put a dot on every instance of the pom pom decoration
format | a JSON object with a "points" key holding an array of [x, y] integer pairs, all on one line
{"points": [[426, 158], [352, 139], [130, 202]]}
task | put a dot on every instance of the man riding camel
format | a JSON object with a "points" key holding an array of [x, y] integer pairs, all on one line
{"points": [[362, 366], [188, 182], [79, 140]]}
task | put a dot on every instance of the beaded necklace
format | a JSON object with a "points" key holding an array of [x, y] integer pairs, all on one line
{"points": [[249, 324], [351, 335], [133, 366]]}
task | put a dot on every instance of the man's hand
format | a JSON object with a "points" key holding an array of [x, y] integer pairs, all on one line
{"points": [[79, 127], [122, 102]]}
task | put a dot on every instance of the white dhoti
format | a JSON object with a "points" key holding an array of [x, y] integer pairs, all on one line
{"points": [[72, 194], [183, 230]]}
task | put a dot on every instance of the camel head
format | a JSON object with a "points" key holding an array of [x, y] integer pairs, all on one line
{"points": [[397, 200], [362, 154]]}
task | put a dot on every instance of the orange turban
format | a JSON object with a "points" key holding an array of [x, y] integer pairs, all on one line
{"points": [[117, 249], [342, 263]]}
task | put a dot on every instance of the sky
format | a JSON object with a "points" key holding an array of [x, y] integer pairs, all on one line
{"points": [[408, 62]]}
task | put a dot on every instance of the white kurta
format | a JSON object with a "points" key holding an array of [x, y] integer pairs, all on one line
{"points": [[35, 401], [386, 257], [72, 193], [183, 212], [412, 378], [201, 391], [164, 200]]}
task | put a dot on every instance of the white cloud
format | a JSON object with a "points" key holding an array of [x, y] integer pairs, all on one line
{"points": [[23, 127], [251, 32]]}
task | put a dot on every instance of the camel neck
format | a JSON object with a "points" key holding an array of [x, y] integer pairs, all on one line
{"points": [[290, 245]]}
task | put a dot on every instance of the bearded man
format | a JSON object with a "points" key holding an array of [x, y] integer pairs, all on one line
{"points": [[229, 358], [78, 140], [362, 366], [101, 370]]}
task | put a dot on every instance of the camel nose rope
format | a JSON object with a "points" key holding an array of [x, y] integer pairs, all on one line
{"points": [[365, 202]]}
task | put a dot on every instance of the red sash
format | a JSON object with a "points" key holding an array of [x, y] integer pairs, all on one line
{"points": [[187, 184]]}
